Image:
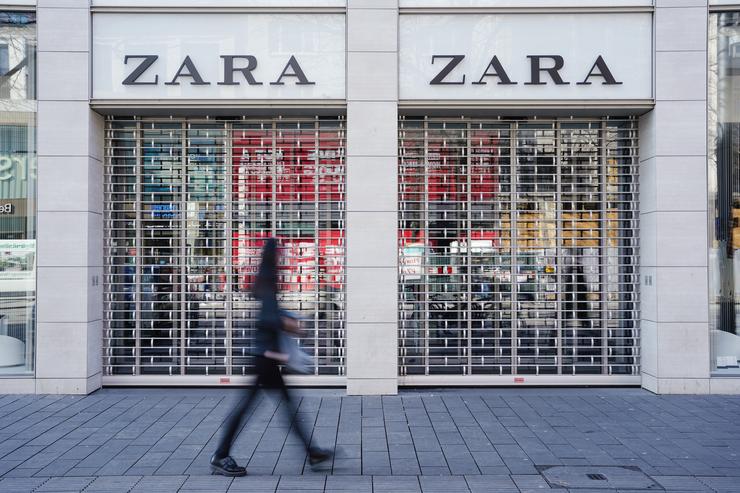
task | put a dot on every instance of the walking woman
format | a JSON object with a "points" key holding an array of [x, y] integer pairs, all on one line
{"points": [[268, 357]]}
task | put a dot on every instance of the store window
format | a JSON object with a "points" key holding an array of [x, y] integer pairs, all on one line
{"points": [[188, 205], [724, 191], [518, 247], [17, 193]]}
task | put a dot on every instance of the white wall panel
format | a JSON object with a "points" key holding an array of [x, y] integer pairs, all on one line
{"points": [[219, 3], [679, 343], [677, 29], [371, 298], [82, 179], [20, 3], [378, 84], [680, 75], [681, 183], [624, 42], [682, 296], [63, 29], [524, 3], [65, 75], [370, 247], [316, 41], [364, 191], [681, 238]]}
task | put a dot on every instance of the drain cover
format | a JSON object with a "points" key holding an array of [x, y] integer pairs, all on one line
{"points": [[595, 477]]}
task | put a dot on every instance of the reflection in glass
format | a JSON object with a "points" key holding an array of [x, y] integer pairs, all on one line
{"points": [[17, 192], [724, 190]]}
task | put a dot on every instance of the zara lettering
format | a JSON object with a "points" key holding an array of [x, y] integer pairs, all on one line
{"points": [[541, 68], [144, 75]]}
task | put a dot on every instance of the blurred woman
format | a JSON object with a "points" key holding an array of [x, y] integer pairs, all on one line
{"points": [[268, 357]]}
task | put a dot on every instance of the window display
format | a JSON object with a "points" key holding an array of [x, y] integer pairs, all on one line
{"points": [[518, 247], [17, 192], [724, 191], [189, 204]]}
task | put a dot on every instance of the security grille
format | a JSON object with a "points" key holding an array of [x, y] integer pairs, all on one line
{"points": [[188, 205], [518, 247]]}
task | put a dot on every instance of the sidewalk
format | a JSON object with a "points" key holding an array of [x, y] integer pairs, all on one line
{"points": [[477, 440]]}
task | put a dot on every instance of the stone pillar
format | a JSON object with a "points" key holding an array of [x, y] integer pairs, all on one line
{"points": [[70, 204], [372, 197], [673, 206]]}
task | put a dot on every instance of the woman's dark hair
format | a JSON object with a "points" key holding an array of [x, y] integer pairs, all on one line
{"points": [[267, 275]]}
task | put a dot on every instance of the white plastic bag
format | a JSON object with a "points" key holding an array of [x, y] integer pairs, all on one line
{"points": [[298, 360]]}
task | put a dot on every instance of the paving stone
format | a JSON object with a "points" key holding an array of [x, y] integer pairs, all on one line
{"points": [[396, 484], [487, 483], [254, 484], [721, 484], [20, 485], [301, 483], [354, 483], [347, 466], [681, 483], [113, 484], [159, 484], [213, 483], [687, 442], [65, 484], [443, 484]]}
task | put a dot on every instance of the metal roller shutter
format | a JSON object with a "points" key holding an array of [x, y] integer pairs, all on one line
{"points": [[518, 247], [188, 204]]}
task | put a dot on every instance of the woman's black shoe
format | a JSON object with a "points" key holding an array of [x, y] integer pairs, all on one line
{"points": [[317, 456], [227, 466]]}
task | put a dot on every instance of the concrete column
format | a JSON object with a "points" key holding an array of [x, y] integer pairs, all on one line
{"points": [[372, 197], [70, 205], [673, 206]]}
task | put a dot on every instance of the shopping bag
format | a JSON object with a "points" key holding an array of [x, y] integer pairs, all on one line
{"points": [[298, 360]]}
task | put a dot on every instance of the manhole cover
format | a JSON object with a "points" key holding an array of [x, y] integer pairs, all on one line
{"points": [[596, 477]]}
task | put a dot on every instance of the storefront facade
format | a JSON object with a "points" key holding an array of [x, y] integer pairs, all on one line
{"points": [[467, 193]]}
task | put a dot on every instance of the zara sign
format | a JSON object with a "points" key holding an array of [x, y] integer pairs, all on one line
{"points": [[212, 56], [525, 57]]}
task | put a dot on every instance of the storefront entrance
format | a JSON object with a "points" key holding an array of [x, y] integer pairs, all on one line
{"points": [[518, 248], [188, 204]]}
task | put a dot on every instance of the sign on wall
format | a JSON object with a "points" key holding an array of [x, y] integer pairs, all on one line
{"points": [[526, 57], [218, 56]]}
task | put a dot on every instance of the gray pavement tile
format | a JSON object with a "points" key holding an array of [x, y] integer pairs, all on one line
{"points": [[347, 466], [159, 484], [254, 484], [721, 484], [520, 466], [21, 473], [8, 465], [396, 484], [302, 483], [113, 484], [487, 483], [82, 471], [58, 467], [65, 484], [213, 482], [681, 483], [443, 484], [354, 483], [530, 482], [681, 439], [20, 485], [431, 459], [289, 467], [405, 467]]}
